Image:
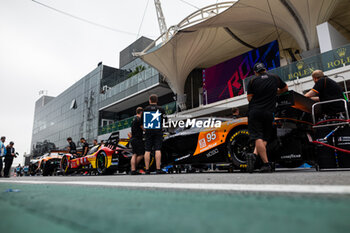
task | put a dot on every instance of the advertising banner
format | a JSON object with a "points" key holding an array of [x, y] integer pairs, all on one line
{"points": [[225, 80], [326, 61]]}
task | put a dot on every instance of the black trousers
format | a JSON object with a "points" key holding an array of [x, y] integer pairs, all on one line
{"points": [[0, 166], [8, 164]]}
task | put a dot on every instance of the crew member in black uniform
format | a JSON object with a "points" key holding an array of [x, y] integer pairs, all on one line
{"points": [[262, 97], [10, 155], [136, 141], [85, 146], [154, 137], [326, 89], [72, 146]]}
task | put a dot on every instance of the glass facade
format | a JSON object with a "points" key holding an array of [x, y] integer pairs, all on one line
{"points": [[132, 85], [74, 113]]}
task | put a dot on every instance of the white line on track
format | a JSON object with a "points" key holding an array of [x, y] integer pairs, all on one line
{"points": [[279, 188]]}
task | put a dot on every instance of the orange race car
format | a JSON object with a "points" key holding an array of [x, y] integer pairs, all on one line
{"points": [[49, 164], [204, 141]]}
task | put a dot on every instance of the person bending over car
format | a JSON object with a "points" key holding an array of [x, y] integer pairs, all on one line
{"points": [[136, 141], [154, 137], [262, 96], [326, 89]]}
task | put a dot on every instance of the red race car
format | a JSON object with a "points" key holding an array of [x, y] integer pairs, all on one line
{"points": [[105, 159]]}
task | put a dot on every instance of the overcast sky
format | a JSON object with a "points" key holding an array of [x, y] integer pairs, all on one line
{"points": [[41, 49]]}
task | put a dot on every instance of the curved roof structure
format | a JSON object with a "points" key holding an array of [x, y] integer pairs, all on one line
{"points": [[221, 31]]}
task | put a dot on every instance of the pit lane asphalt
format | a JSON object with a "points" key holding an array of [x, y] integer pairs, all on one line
{"points": [[281, 176], [62, 207]]}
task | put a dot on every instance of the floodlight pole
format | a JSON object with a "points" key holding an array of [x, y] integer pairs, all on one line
{"points": [[161, 19]]}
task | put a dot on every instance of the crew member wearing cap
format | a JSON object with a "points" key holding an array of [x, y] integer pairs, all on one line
{"points": [[326, 89], [262, 96]]}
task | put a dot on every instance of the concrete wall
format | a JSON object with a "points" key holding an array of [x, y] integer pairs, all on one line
{"points": [[329, 38], [139, 45]]}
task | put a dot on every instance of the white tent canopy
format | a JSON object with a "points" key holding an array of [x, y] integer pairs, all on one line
{"points": [[226, 30]]}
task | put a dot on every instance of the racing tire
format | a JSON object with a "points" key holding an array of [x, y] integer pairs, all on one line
{"points": [[45, 172], [238, 145], [47, 169], [101, 163], [65, 165]]}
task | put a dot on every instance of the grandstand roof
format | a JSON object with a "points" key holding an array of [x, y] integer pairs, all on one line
{"points": [[221, 31]]}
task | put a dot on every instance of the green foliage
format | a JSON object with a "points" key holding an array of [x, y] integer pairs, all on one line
{"points": [[137, 70]]}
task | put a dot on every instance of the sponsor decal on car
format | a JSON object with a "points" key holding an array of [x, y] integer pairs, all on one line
{"points": [[202, 143], [183, 157], [212, 152], [291, 156]]}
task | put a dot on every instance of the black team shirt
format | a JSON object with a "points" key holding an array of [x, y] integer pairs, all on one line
{"points": [[327, 89], [85, 145], [263, 89], [72, 147], [136, 130]]}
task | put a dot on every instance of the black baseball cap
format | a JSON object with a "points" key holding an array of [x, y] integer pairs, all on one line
{"points": [[258, 67]]}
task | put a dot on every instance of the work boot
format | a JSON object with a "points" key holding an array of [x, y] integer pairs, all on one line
{"points": [[251, 158], [266, 168]]}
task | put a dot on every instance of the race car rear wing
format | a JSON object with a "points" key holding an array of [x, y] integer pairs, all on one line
{"points": [[295, 100], [113, 140]]}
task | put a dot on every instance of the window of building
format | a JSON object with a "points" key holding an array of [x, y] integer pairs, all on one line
{"points": [[73, 105]]}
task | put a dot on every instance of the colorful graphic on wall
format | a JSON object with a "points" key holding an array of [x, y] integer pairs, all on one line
{"points": [[225, 80]]}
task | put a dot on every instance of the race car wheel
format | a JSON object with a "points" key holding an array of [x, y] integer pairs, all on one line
{"points": [[238, 145], [101, 163], [65, 164]]}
